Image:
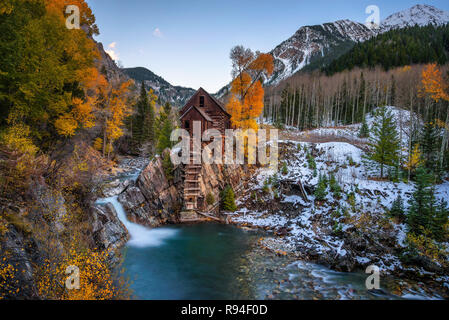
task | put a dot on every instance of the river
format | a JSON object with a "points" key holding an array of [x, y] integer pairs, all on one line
{"points": [[215, 261]]}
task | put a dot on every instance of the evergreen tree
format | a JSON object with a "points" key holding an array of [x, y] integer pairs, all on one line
{"points": [[143, 124], [425, 215], [165, 128], [334, 186], [167, 165], [384, 142], [397, 208], [320, 191], [430, 147], [228, 200], [364, 130]]}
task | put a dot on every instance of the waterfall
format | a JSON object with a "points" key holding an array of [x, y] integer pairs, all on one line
{"points": [[140, 236]]}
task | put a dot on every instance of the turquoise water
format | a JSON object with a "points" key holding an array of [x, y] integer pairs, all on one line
{"points": [[191, 262], [214, 261]]}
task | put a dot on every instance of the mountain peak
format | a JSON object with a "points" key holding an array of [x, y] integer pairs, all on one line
{"points": [[420, 14], [311, 43]]}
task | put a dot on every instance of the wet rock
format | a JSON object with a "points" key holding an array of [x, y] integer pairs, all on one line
{"points": [[15, 251], [51, 206], [152, 200], [115, 187], [426, 264], [108, 231]]}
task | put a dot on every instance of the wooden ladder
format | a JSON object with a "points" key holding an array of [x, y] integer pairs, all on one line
{"points": [[192, 190]]}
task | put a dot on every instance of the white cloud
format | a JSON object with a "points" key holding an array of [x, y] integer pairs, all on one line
{"points": [[157, 33], [112, 52]]}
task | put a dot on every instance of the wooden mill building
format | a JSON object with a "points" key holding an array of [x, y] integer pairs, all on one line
{"points": [[211, 113]]}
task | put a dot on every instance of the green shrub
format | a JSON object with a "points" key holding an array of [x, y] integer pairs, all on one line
{"points": [[210, 199], [167, 165], [311, 162], [351, 199], [397, 209], [228, 200], [284, 169], [334, 186], [320, 191], [364, 130]]}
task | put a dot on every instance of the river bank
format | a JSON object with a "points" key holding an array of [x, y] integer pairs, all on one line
{"points": [[265, 266]]}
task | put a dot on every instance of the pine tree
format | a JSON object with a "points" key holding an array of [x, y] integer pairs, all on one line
{"points": [[364, 130], [165, 126], [228, 200], [143, 124], [334, 186], [167, 165], [385, 142], [425, 215], [430, 147], [397, 208], [320, 191]]}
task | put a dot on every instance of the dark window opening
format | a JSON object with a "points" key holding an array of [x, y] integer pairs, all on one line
{"points": [[201, 101], [187, 124]]}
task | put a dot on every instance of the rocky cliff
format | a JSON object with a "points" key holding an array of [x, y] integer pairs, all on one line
{"points": [[154, 200]]}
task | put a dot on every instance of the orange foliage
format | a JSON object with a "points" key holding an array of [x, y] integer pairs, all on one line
{"points": [[263, 63], [59, 6], [247, 93], [433, 83], [96, 281], [81, 115]]}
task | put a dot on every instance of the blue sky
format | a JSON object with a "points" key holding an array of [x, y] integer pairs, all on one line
{"points": [[188, 42]]}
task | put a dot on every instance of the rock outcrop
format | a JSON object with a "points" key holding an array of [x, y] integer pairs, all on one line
{"points": [[108, 232], [154, 200], [16, 252]]}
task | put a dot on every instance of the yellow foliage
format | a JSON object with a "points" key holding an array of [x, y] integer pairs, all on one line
{"points": [[8, 281], [6, 7], [17, 138], [3, 226], [82, 111], [96, 281], [414, 159], [66, 125], [263, 63], [406, 68], [57, 7], [426, 246], [98, 144], [241, 84]]}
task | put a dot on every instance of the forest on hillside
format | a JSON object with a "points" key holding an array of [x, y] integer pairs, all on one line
{"points": [[64, 120], [395, 48]]}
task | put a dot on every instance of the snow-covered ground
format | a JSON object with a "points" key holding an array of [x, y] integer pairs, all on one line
{"points": [[351, 228]]}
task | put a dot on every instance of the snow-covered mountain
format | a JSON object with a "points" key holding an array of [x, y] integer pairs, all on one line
{"points": [[311, 43], [420, 14], [314, 46], [176, 95]]}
